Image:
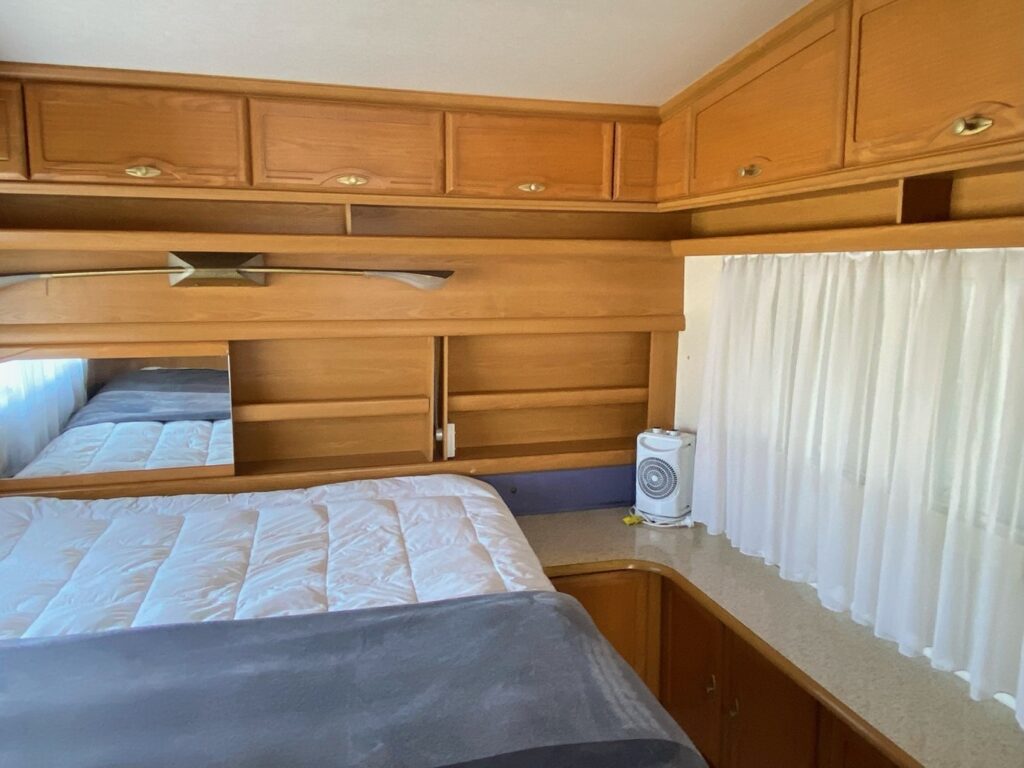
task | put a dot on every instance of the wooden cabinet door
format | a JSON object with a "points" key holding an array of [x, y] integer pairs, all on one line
{"points": [[624, 606], [674, 150], [529, 157], [919, 66], [781, 116], [12, 133], [691, 669], [347, 147], [770, 722], [636, 161], [840, 747], [135, 135]]}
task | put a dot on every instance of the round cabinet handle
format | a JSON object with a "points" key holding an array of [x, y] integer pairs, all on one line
{"points": [[143, 171], [734, 710], [749, 171], [532, 186], [712, 686], [352, 180], [971, 126]]}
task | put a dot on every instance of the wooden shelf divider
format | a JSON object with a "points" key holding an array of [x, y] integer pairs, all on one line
{"points": [[545, 398], [330, 409]]}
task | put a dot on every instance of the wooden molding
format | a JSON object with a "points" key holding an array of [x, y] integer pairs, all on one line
{"points": [[545, 398], [977, 233], [330, 409], [287, 88]]}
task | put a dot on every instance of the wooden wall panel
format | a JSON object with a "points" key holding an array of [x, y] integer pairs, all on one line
{"points": [[13, 163], [636, 161], [613, 424]]}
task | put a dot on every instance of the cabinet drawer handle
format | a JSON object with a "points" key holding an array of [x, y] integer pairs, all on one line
{"points": [[711, 687], [749, 171], [352, 180], [532, 186], [971, 126], [143, 171], [734, 710]]}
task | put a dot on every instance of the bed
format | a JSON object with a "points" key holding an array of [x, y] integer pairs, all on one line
{"points": [[148, 419], [397, 622]]}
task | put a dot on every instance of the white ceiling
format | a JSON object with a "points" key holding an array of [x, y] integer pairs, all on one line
{"points": [[630, 52]]}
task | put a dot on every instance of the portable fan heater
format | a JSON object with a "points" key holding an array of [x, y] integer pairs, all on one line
{"points": [[664, 477]]}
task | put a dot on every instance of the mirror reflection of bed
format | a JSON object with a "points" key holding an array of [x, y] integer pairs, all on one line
{"points": [[69, 417]]}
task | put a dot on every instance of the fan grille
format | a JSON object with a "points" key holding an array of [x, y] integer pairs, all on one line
{"points": [[657, 478]]}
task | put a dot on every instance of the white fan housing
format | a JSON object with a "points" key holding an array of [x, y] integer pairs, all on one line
{"points": [[664, 475]]}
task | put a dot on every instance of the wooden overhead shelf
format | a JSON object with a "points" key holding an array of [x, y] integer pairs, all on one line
{"points": [[329, 409], [545, 398]]}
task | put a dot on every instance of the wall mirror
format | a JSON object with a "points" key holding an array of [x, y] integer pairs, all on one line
{"points": [[75, 417]]}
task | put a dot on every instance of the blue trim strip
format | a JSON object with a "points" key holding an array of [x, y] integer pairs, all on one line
{"points": [[566, 490]]}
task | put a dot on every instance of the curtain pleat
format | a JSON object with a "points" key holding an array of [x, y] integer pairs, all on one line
{"points": [[863, 429]]}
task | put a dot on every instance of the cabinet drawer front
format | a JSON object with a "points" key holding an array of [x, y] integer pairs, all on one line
{"points": [[779, 118], [529, 157], [12, 133], [918, 69], [135, 135], [349, 148]]}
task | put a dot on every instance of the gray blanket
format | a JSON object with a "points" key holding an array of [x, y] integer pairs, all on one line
{"points": [[518, 680], [159, 394]]}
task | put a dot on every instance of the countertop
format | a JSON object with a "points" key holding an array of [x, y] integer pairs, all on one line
{"points": [[926, 712]]}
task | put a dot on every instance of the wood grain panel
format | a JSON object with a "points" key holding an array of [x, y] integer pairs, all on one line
{"points": [[661, 403], [329, 437], [572, 424], [624, 607], [493, 279], [674, 155], [13, 163], [493, 155], [781, 116], [546, 398], [155, 215], [919, 65], [636, 161], [93, 133], [839, 746], [548, 361], [329, 409], [989, 192], [286, 371], [692, 669], [316, 143]]}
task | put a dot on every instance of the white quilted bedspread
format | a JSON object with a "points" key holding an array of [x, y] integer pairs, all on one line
{"points": [[86, 566], [110, 447]]}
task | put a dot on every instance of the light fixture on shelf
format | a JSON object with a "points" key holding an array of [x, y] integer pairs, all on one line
{"points": [[203, 268]]}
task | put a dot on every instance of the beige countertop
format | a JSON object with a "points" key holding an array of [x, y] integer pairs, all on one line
{"points": [[926, 712]]}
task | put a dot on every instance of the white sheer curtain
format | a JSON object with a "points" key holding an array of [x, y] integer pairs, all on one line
{"points": [[36, 399], [862, 427]]}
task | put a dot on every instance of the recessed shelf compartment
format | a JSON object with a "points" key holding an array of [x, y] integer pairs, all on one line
{"points": [[545, 398], [565, 447], [327, 409], [328, 463]]}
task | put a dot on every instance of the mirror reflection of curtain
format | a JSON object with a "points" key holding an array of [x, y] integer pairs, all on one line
{"points": [[863, 428], [37, 397]]}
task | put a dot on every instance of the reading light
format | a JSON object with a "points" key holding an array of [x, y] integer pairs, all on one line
{"points": [[199, 268]]}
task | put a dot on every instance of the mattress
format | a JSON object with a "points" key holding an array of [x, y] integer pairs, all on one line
{"points": [[75, 566], [133, 445]]}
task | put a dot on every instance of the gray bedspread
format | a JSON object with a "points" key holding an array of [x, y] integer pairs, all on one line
{"points": [[520, 680], [159, 394]]}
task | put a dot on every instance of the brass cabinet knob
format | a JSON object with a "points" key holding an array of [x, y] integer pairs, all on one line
{"points": [[352, 180], [532, 186], [970, 126], [749, 171], [143, 171]]}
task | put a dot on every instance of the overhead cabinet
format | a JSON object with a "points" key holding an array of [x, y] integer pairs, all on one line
{"points": [[529, 157], [135, 135], [636, 161], [928, 79], [347, 147], [779, 116], [12, 132]]}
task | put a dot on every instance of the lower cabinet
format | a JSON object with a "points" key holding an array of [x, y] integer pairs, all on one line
{"points": [[739, 708]]}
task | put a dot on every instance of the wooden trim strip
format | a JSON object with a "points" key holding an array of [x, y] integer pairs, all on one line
{"points": [[115, 351], [292, 89], [31, 335], [136, 477], [341, 245], [273, 481], [545, 398], [784, 665], [974, 233], [335, 198], [330, 409]]}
